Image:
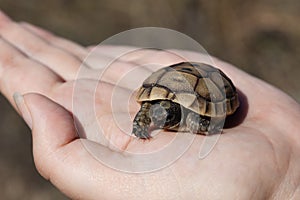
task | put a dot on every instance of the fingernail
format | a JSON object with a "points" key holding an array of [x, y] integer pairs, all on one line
{"points": [[22, 107]]}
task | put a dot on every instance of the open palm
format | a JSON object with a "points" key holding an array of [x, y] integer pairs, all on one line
{"points": [[255, 158]]}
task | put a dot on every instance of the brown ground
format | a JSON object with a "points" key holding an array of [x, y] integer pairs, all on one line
{"points": [[262, 38]]}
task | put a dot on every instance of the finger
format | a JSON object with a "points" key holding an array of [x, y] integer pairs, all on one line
{"points": [[138, 55], [162, 58], [57, 149], [123, 74], [144, 56], [66, 45], [53, 130], [112, 73], [43, 109], [19, 73], [155, 59], [60, 61]]}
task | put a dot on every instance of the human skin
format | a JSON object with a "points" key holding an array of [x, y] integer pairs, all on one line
{"points": [[258, 158]]}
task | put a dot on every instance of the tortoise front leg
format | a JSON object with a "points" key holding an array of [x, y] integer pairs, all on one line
{"points": [[199, 125], [142, 122], [196, 124]]}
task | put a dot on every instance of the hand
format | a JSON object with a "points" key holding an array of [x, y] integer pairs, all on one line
{"points": [[256, 159]]}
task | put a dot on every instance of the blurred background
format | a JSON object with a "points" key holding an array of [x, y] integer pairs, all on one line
{"points": [[260, 37]]}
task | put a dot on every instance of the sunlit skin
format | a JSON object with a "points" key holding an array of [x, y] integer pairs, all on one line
{"points": [[258, 158]]}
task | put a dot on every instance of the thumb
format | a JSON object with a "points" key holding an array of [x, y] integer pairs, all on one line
{"points": [[62, 158], [52, 126]]}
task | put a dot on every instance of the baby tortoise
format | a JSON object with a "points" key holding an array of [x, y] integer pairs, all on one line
{"points": [[185, 97]]}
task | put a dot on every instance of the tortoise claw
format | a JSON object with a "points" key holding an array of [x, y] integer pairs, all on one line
{"points": [[142, 134]]}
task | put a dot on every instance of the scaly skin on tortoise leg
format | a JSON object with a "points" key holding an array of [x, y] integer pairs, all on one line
{"points": [[196, 124], [142, 122]]}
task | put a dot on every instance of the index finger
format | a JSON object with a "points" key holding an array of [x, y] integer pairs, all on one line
{"points": [[18, 73]]}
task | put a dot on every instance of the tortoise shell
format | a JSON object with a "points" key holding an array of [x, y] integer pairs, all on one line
{"points": [[199, 87]]}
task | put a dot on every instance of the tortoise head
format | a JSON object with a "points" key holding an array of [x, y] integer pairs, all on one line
{"points": [[165, 113]]}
